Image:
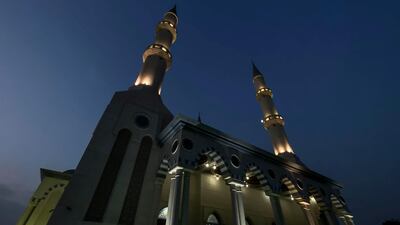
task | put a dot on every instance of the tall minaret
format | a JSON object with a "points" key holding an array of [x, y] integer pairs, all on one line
{"points": [[157, 57], [272, 120], [116, 181]]}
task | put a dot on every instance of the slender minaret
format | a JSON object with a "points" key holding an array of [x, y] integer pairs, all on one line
{"points": [[272, 120], [116, 181], [157, 58]]}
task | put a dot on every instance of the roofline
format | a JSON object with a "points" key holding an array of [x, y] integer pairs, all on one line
{"points": [[181, 121], [53, 173]]}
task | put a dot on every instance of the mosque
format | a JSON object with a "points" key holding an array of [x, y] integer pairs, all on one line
{"points": [[145, 166]]}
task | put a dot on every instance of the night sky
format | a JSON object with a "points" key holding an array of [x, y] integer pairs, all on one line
{"points": [[333, 67]]}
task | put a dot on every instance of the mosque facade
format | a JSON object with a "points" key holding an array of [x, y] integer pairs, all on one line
{"points": [[146, 166]]}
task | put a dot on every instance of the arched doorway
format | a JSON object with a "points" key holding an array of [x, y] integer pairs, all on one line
{"points": [[162, 216], [212, 219]]}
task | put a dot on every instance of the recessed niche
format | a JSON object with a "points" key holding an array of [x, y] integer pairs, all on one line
{"points": [[142, 121], [235, 161], [271, 173], [300, 184], [187, 143], [175, 146]]}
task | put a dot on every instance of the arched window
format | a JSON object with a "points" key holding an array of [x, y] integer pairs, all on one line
{"points": [[135, 186], [162, 216], [212, 219], [108, 177]]}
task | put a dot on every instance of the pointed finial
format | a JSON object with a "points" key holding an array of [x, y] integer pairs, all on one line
{"points": [[199, 118], [255, 70], [173, 10]]}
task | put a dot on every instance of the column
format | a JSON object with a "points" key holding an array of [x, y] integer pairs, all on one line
{"points": [[178, 198], [349, 220], [156, 201], [330, 217], [27, 213], [237, 205], [343, 219], [277, 210], [309, 216]]}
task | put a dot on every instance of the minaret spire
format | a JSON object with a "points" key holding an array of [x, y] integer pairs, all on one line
{"points": [[255, 70], [272, 120], [157, 58], [173, 10]]}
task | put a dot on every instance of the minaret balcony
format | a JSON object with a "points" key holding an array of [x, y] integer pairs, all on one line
{"points": [[273, 120], [160, 50], [264, 92], [168, 26]]}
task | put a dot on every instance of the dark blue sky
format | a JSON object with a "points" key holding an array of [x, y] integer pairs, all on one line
{"points": [[333, 67]]}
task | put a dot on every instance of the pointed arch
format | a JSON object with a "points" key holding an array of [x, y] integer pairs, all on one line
{"points": [[294, 192], [339, 205], [318, 196], [163, 169], [162, 216], [131, 201], [213, 219], [101, 196], [210, 157], [253, 172], [219, 163]]}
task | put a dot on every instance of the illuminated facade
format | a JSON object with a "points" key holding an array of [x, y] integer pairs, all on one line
{"points": [[45, 198], [144, 166]]}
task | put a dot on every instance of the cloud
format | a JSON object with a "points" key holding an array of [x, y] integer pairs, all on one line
{"points": [[5, 191], [10, 212], [10, 208]]}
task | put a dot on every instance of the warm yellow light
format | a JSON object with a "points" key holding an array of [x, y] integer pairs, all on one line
{"points": [[143, 80], [247, 185], [304, 203], [247, 177], [214, 167], [291, 197], [312, 200], [207, 165]]}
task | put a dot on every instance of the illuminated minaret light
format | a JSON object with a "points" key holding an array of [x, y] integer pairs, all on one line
{"points": [[272, 120], [157, 58]]}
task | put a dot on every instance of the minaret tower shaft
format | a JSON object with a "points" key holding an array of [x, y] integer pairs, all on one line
{"points": [[272, 120], [117, 179], [157, 58]]}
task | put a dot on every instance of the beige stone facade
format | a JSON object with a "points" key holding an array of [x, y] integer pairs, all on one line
{"points": [[45, 198]]}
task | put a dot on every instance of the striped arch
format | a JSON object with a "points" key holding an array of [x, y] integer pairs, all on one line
{"points": [[339, 206], [220, 163], [214, 158], [294, 192], [163, 169], [312, 190], [255, 171]]}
